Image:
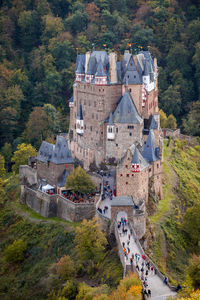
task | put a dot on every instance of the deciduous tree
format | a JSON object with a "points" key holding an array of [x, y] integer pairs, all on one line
{"points": [[21, 155]]}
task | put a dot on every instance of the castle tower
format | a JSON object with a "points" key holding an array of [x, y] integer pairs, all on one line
{"points": [[100, 75], [79, 121], [110, 128]]}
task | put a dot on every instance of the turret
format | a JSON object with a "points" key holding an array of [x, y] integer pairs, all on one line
{"points": [[110, 128], [100, 75], [79, 121], [135, 163]]}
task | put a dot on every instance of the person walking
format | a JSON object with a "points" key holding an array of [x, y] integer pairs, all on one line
{"points": [[149, 293]]}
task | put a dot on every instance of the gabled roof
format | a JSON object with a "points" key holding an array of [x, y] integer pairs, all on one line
{"points": [[100, 70], [80, 113], [57, 154], [81, 68], [126, 111], [92, 66], [138, 158], [135, 159], [153, 124], [149, 152], [122, 201], [80, 62]]}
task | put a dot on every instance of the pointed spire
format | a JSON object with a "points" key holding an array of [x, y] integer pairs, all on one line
{"points": [[153, 124], [80, 113], [150, 147], [100, 70], [135, 159], [110, 121]]}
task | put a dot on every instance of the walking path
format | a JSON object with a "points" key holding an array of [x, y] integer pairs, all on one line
{"points": [[159, 290]]}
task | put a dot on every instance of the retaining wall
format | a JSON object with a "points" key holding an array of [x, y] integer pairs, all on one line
{"points": [[56, 205]]}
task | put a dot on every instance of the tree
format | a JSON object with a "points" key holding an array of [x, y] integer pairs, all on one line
{"points": [[171, 101], [90, 242], [171, 122], [80, 181], [21, 155], [6, 151], [194, 271], [191, 223], [93, 12], [163, 119], [191, 123], [52, 27], [15, 251], [65, 267], [2, 166]]}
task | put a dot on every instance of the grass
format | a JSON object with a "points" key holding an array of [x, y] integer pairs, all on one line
{"points": [[164, 205], [34, 215]]}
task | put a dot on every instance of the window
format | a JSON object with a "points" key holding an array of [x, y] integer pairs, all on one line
{"points": [[129, 90], [116, 130], [90, 128], [121, 175], [150, 170], [92, 116], [85, 126], [127, 175], [130, 133], [126, 182], [134, 76], [157, 166], [126, 166], [97, 116], [132, 175], [89, 103], [130, 127], [116, 145], [95, 104]]}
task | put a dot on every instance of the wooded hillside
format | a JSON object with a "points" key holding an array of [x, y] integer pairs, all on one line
{"points": [[38, 46]]}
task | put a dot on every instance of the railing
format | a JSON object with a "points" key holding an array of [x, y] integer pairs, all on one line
{"points": [[160, 275]]}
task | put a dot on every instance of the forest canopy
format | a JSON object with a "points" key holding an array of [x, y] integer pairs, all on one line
{"points": [[40, 39]]}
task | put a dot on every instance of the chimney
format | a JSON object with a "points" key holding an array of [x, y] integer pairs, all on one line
{"points": [[87, 57], [113, 67]]}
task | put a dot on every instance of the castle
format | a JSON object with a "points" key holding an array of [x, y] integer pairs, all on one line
{"points": [[114, 118]]}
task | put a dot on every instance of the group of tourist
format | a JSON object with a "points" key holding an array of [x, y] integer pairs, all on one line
{"points": [[77, 197]]}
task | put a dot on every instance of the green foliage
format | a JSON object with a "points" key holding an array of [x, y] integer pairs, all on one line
{"points": [[6, 151], [80, 181], [2, 166], [171, 122], [191, 224], [90, 242], [191, 123], [193, 271], [15, 251], [21, 156], [65, 268]]}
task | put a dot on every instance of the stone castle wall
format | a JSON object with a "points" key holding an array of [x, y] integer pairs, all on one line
{"points": [[124, 138], [56, 206], [52, 172], [130, 183]]}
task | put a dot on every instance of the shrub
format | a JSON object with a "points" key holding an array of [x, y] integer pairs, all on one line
{"points": [[15, 251], [65, 268]]}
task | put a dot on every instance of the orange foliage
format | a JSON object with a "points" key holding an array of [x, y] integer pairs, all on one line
{"points": [[93, 11]]}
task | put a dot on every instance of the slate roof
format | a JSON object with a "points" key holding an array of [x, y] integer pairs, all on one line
{"points": [[80, 113], [95, 58], [150, 148], [122, 201], [100, 70], [80, 62], [153, 124], [126, 111], [138, 158], [62, 180], [71, 99], [145, 64], [57, 154]]}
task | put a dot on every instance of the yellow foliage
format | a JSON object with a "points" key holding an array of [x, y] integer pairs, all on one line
{"points": [[135, 290]]}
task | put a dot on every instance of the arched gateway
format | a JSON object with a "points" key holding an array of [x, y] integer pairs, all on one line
{"points": [[120, 206]]}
